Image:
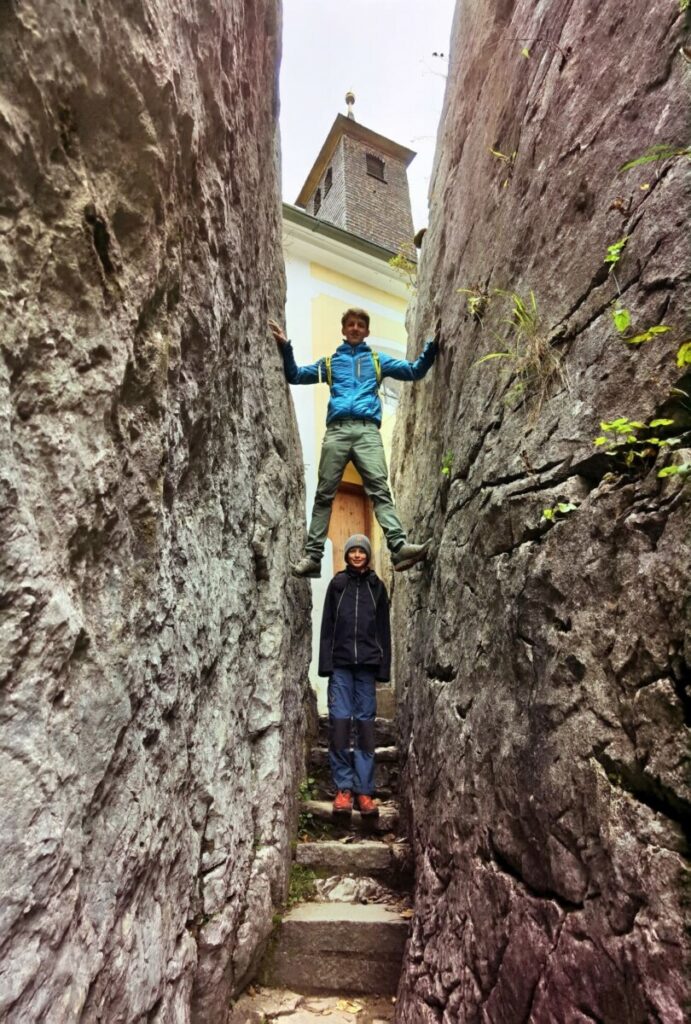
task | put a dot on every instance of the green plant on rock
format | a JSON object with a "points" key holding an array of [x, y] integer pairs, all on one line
{"points": [[614, 252], [447, 464], [682, 469], [629, 440], [622, 322], [535, 363], [477, 299], [662, 151], [558, 511], [622, 318], [684, 355], [620, 315], [405, 264], [307, 789], [563, 51], [305, 823], [301, 887], [648, 335], [632, 442], [508, 159], [309, 826]]}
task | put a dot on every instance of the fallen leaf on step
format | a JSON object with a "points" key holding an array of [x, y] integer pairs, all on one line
{"points": [[406, 913], [346, 1006]]}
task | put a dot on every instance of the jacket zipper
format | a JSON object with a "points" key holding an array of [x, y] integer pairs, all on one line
{"points": [[338, 608], [357, 595], [381, 652]]}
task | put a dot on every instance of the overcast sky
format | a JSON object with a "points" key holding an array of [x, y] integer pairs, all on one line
{"points": [[383, 51]]}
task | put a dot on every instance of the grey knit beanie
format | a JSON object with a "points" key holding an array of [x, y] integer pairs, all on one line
{"points": [[358, 540]]}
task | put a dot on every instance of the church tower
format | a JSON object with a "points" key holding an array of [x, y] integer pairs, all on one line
{"points": [[359, 182]]}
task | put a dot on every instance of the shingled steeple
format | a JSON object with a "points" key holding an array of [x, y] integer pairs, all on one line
{"points": [[359, 182]]}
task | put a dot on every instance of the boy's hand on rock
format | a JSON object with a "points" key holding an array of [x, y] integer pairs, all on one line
{"points": [[437, 335], [277, 332]]}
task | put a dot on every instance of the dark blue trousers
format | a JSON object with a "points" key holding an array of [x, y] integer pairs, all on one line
{"points": [[352, 695]]}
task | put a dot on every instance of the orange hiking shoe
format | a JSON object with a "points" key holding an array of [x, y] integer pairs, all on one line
{"points": [[343, 804], [366, 805]]}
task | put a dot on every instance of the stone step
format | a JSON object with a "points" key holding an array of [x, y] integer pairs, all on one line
{"points": [[380, 860], [384, 732], [386, 821], [337, 947], [386, 772], [319, 755], [261, 1005]]}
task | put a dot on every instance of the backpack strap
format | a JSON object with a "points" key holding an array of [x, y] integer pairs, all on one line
{"points": [[329, 377], [377, 366], [326, 363]]}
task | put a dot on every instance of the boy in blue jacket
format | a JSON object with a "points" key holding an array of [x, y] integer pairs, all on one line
{"points": [[354, 651], [353, 418]]}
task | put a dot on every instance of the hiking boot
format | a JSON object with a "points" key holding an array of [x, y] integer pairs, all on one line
{"points": [[408, 555], [366, 805], [307, 568], [343, 804]]}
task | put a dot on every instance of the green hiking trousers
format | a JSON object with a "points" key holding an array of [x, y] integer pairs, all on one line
{"points": [[358, 441]]}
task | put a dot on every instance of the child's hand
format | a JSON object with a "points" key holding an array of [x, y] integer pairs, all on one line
{"points": [[437, 335], [277, 332]]}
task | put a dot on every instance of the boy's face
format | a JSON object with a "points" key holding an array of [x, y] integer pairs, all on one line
{"points": [[357, 557], [355, 330]]}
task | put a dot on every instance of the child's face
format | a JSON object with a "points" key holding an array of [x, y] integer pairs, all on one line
{"points": [[355, 330], [357, 557]]}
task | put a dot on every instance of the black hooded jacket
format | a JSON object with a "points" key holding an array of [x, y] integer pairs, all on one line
{"points": [[355, 624]]}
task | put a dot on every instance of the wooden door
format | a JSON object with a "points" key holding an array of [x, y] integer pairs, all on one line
{"points": [[350, 513]]}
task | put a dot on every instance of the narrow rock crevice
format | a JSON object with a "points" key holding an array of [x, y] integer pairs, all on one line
{"points": [[505, 866], [638, 783]]}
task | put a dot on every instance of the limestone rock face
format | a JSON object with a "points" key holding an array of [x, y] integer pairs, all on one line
{"points": [[153, 651], [543, 662]]}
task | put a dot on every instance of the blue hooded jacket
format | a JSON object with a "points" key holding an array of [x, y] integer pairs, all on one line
{"points": [[354, 388]]}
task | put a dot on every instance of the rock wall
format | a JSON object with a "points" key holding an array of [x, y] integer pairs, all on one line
{"points": [[544, 662], [153, 653]]}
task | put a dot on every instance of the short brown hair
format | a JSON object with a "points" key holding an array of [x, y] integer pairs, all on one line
{"points": [[362, 314]]}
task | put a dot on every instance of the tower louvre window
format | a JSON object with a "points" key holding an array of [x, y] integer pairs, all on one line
{"points": [[328, 182], [317, 200], [375, 166]]}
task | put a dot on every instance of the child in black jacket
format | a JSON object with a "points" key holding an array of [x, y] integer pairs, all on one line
{"points": [[354, 652]]}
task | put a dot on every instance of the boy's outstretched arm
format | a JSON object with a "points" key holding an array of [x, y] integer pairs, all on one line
{"points": [[401, 369], [294, 374]]}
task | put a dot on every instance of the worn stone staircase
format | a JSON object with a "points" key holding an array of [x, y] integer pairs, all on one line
{"points": [[338, 950]]}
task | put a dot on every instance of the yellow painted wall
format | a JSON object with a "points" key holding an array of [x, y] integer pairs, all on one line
{"points": [[351, 284]]}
